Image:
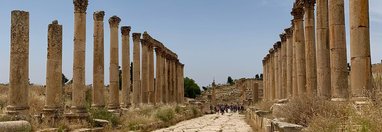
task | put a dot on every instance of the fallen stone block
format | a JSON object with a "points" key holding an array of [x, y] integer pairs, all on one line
{"points": [[15, 126]]}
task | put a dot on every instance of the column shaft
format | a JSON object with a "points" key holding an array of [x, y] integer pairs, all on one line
{"points": [[145, 72], [151, 74], [98, 61], [158, 79], [126, 83], [137, 99], [310, 48], [300, 49], [289, 62]]}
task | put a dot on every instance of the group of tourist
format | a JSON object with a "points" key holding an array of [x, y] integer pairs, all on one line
{"points": [[225, 108]]}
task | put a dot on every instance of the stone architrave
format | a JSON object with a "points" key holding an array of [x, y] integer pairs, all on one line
{"points": [[78, 107], [145, 71], [298, 21], [54, 98], [289, 61], [137, 97], [361, 77], [323, 50], [151, 73], [114, 64], [310, 48], [98, 61], [19, 62], [338, 60], [126, 83]]}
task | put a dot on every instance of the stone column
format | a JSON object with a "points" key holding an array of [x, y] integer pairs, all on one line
{"points": [[151, 74], [19, 64], [173, 83], [158, 80], [165, 79], [255, 91], [280, 68], [338, 60], [114, 64], [78, 87], [126, 83], [289, 61], [272, 89], [284, 65], [54, 98], [137, 99], [298, 14], [323, 50], [276, 71], [360, 50], [310, 48], [294, 67], [98, 61], [264, 78], [145, 71], [181, 83]]}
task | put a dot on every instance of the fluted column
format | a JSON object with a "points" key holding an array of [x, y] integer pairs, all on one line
{"points": [[19, 64], [279, 72], [165, 79], [126, 83], [181, 83], [98, 60], [264, 78], [145, 71], [78, 86], [284, 65], [276, 71], [114, 63], [310, 48], [294, 67], [323, 50], [54, 98], [289, 62], [272, 90], [158, 78], [255, 91], [151, 73], [137, 99], [298, 14], [360, 50], [338, 60]]}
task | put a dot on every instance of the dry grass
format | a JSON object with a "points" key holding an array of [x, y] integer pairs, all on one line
{"points": [[264, 105]]}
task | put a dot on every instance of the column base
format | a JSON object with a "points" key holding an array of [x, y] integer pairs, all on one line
{"points": [[52, 116], [97, 106], [113, 108], [77, 112]]}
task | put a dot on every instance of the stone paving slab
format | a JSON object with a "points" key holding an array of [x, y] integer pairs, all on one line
{"points": [[229, 122]]}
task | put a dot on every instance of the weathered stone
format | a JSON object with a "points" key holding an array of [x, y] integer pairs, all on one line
{"points": [[126, 83], [338, 60], [114, 64], [54, 98], [299, 41], [19, 64], [98, 61], [15, 126], [136, 69], [145, 71], [310, 48], [289, 63]]}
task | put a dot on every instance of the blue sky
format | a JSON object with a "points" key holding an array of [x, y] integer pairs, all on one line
{"points": [[213, 38]]}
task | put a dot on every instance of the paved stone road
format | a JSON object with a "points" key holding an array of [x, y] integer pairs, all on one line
{"points": [[231, 122]]}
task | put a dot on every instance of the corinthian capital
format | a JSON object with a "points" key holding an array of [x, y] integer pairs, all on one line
{"points": [[125, 30], [80, 6], [98, 15], [298, 10], [114, 21]]}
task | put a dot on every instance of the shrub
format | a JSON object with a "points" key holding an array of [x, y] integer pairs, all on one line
{"points": [[165, 114], [104, 115]]}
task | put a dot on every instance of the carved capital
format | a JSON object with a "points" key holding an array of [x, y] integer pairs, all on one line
{"points": [[80, 6], [288, 32], [278, 44], [136, 36], [271, 51], [114, 21], [283, 37], [297, 11], [125, 30], [98, 15]]}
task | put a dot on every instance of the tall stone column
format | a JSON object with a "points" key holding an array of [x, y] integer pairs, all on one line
{"points": [[289, 61], [294, 67], [323, 50], [298, 14], [151, 74], [165, 79], [255, 91], [276, 71], [114, 64], [137, 99], [78, 87], [310, 48], [338, 60], [279, 65], [98, 61], [181, 83], [54, 98], [19, 64], [284, 65], [173, 83], [158, 80], [360, 50], [126, 83], [145, 71], [272, 89], [264, 78]]}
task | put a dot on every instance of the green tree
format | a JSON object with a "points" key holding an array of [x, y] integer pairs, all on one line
{"points": [[191, 89], [230, 80], [64, 79]]}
